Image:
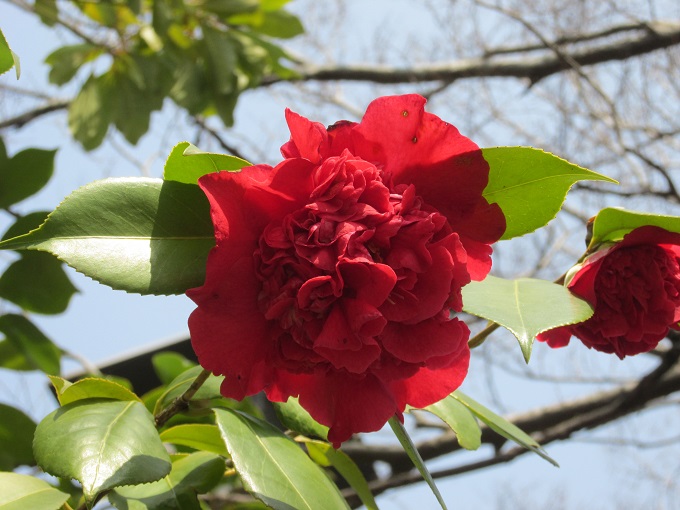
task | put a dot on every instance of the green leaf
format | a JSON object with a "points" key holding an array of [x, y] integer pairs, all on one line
{"points": [[134, 234], [168, 365], [296, 418], [325, 455], [24, 174], [90, 387], [21, 492], [16, 439], [280, 24], [31, 342], [12, 358], [37, 283], [199, 436], [186, 163], [91, 112], [525, 306], [414, 455], [194, 474], [8, 58], [101, 443], [502, 426], [530, 185], [25, 224], [221, 54], [273, 468], [209, 390], [66, 61], [133, 106], [461, 421], [47, 10], [227, 8], [611, 224]]}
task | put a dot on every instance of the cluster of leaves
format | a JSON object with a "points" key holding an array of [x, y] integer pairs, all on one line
{"points": [[201, 54]]}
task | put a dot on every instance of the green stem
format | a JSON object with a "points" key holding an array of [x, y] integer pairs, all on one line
{"points": [[182, 402]]}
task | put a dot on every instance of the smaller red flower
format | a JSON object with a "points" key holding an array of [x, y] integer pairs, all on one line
{"points": [[634, 287]]}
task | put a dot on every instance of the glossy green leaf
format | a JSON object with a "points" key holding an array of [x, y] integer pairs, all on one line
{"points": [[67, 60], [101, 443], [209, 390], [24, 174], [31, 343], [530, 185], [16, 438], [413, 454], [168, 365], [8, 58], [191, 475], [297, 419], [91, 112], [273, 468], [134, 234], [502, 426], [325, 455], [525, 306], [461, 421], [90, 387], [611, 224], [12, 358], [37, 283], [23, 492], [186, 163], [199, 436]]}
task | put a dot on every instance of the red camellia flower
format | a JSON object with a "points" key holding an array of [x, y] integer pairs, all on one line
{"points": [[335, 272], [634, 288]]}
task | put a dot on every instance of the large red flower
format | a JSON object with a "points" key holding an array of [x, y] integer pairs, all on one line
{"points": [[634, 288], [334, 273]]}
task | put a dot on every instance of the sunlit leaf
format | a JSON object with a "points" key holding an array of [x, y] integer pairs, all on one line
{"points": [[413, 454], [8, 58], [31, 343], [16, 439], [461, 421], [502, 426], [191, 475], [186, 163], [91, 387], [101, 443], [273, 468], [135, 234], [611, 224], [199, 436], [525, 306], [296, 418], [530, 185], [22, 492], [325, 455]]}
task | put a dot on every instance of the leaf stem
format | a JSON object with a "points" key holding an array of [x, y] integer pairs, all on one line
{"points": [[181, 402]]}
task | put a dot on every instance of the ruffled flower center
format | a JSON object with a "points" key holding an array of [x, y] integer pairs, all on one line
{"points": [[361, 254]]}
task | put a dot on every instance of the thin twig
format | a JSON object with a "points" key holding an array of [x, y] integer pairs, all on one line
{"points": [[182, 402]]}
